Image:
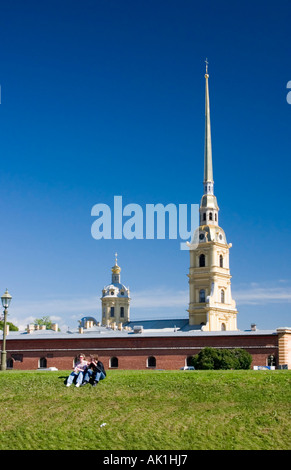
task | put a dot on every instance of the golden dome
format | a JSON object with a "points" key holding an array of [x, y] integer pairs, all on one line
{"points": [[116, 269]]}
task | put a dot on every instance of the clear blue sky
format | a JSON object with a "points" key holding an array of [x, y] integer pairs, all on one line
{"points": [[104, 98]]}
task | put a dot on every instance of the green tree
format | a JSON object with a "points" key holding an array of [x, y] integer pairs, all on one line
{"points": [[45, 320], [206, 359], [244, 359], [215, 359], [227, 359], [11, 326]]}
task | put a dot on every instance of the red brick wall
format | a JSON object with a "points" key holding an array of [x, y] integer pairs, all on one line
{"points": [[133, 351]]}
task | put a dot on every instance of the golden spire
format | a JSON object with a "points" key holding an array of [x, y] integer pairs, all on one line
{"points": [[206, 74], [208, 173]]}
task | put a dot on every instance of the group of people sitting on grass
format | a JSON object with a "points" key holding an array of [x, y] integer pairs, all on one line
{"points": [[86, 371]]}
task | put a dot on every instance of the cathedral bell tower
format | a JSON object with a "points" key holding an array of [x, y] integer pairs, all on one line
{"points": [[211, 305], [115, 299]]}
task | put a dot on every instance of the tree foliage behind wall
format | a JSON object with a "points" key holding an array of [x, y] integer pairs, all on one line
{"points": [[11, 326], [45, 320], [215, 359]]}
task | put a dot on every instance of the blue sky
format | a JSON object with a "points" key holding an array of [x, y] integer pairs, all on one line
{"points": [[105, 98]]}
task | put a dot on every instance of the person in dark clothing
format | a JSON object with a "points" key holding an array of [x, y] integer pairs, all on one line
{"points": [[95, 371]]}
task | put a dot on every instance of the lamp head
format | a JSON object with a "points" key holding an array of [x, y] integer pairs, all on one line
{"points": [[6, 299]]}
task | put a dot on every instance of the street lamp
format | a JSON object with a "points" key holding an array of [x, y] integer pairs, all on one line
{"points": [[5, 299]]}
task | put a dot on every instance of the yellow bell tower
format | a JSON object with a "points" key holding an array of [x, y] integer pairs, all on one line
{"points": [[115, 300], [211, 305]]}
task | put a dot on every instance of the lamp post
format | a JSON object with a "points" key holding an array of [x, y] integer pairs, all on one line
{"points": [[5, 299]]}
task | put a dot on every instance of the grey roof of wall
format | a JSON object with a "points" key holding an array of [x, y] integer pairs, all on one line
{"points": [[150, 328]]}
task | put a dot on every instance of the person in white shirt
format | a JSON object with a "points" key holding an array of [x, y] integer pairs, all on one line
{"points": [[79, 371]]}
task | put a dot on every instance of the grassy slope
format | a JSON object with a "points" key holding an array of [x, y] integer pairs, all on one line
{"points": [[154, 410]]}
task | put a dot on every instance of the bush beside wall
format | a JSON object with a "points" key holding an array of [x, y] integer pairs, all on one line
{"points": [[215, 359]]}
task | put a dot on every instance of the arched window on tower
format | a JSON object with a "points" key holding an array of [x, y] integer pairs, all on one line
{"points": [[222, 296], [215, 217], [202, 296], [210, 215], [223, 327], [202, 261], [221, 261], [204, 216]]}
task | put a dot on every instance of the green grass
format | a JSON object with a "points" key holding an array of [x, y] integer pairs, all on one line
{"points": [[152, 410]]}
